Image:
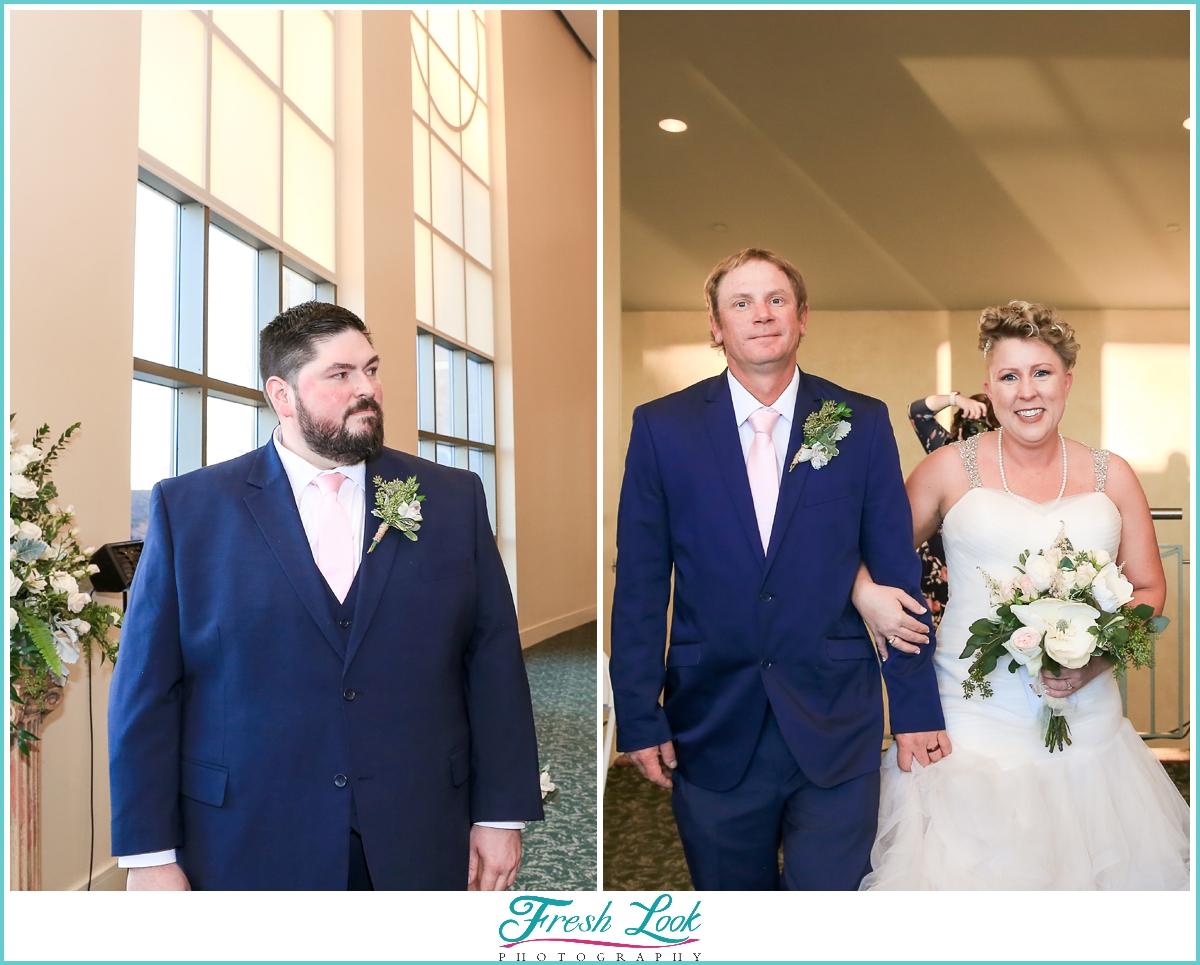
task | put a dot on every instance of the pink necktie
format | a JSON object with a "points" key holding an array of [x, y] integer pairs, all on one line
{"points": [[762, 466], [335, 551]]}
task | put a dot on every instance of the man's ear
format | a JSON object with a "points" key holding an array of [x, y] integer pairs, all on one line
{"points": [[715, 327], [281, 397]]}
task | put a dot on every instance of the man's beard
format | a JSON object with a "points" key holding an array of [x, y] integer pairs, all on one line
{"points": [[337, 443]]}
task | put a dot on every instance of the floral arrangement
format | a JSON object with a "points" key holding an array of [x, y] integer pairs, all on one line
{"points": [[51, 618], [823, 430], [1060, 608], [549, 789], [399, 506]]}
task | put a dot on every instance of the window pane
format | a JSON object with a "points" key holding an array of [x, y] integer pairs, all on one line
{"points": [[231, 430], [475, 462], [308, 64], [421, 170], [425, 409], [297, 289], [474, 400], [307, 190], [443, 390], [443, 87], [424, 263], [470, 43], [256, 32], [152, 448], [489, 404], [232, 303], [245, 139], [427, 449], [480, 332], [443, 27], [171, 92], [461, 460], [489, 486], [475, 142], [445, 454], [420, 92], [477, 221], [447, 193], [448, 296], [155, 276]]}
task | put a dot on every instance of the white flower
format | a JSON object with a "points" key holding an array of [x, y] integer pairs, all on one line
{"points": [[1063, 581], [1111, 589], [1025, 645], [90, 552], [1102, 558], [77, 601], [65, 645], [17, 463], [1084, 573], [63, 583], [1065, 625], [546, 784], [35, 583], [29, 530], [410, 511], [1040, 572], [14, 584], [13, 437], [30, 453], [13, 619], [21, 487], [1054, 555], [840, 431], [52, 507], [79, 626], [92, 569], [13, 528]]}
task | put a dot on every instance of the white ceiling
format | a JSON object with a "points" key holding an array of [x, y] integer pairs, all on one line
{"points": [[910, 159]]}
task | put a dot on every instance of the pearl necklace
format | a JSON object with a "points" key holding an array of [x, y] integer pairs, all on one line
{"points": [[1000, 459]]}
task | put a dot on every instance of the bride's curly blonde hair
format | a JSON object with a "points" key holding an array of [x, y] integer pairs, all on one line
{"points": [[1020, 319]]}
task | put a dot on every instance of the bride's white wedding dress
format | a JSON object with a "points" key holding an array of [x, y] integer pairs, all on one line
{"points": [[1001, 812]]}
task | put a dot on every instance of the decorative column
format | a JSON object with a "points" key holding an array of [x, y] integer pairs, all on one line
{"points": [[25, 781]]}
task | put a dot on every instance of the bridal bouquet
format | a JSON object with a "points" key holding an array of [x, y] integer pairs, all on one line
{"points": [[1059, 608]]}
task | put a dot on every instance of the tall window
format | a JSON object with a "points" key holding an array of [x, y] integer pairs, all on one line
{"points": [[453, 233], [203, 288]]}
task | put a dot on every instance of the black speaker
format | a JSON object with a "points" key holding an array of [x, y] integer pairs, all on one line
{"points": [[117, 562]]}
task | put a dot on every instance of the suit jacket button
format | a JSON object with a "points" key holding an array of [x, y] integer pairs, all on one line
{"points": [[765, 664], [343, 624], [766, 597], [349, 694], [340, 780]]}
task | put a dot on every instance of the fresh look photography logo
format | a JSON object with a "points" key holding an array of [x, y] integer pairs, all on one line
{"points": [[651, 932]]}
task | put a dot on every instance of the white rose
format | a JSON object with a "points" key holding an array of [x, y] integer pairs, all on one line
{"points": [[1064, 580], [14, 584], [1054, 555], [21, 487], [1040, 572], [35, 583], [29, 530], [1025, 646], [90, 552], [13, 619], [17, 463], [63, 583], [52, 507], [13, 528], [1102, 558], [1065, 627], [92, 569], [1111, 589], [79, 626], [29, 453], [1084, 573], [77, 601]]}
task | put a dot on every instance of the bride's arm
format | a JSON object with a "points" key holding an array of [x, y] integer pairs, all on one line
{"points": [[927, 490], [883, 611], [1142, 566]]}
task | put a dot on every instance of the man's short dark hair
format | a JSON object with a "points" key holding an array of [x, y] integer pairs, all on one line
{"points": [[290, 342]]}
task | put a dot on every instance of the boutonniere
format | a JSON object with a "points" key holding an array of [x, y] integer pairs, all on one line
{"points": [[822, 431], [399, 506]]}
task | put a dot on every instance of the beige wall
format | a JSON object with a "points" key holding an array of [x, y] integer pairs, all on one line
{"points": [[74, 117], [549, 105], [615, 435], [893, 356]]}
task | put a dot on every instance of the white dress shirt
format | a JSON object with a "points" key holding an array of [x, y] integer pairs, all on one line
{"points": [[302, 476], [745, 405]]}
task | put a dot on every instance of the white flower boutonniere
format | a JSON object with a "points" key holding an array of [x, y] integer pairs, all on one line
{"points": [[399, 506], [822, 430]]}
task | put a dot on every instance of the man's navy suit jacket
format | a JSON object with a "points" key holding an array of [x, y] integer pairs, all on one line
{"points": [[238, 705], [748, 629]]}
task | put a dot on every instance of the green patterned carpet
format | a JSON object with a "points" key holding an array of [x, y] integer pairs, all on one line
{"points": [[560, 852], [641, 846]]}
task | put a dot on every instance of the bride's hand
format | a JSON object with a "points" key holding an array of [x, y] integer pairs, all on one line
{"points": [[883, 610], [1072, 681]]}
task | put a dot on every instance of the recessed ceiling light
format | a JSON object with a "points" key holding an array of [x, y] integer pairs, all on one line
{"points": [[672, 126], [718, 226], [1172, 227], [1188, 123]]}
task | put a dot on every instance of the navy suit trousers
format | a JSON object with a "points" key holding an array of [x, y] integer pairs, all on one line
{"points": [[731, 838]]}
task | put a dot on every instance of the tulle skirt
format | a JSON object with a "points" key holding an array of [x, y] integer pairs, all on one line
{"points": [[1002, 813]]}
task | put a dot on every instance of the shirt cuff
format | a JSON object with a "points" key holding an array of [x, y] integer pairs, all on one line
{"points": [[152, 860], [503, 825]]}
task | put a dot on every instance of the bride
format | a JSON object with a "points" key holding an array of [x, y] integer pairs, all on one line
{"points": [[999, 811]]}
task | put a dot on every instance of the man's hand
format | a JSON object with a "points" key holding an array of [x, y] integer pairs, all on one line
{"points": [[927, 747], [647, 761], [495, 858], [162, 877]]}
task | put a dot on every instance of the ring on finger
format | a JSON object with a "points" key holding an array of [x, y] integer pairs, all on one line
{"points": [[892, 641]]}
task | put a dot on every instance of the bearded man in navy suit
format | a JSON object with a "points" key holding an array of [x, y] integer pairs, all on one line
{"points": [[294, 708], [771, 722]]}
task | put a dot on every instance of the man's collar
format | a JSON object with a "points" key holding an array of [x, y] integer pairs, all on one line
{"points": [[744, 404], [301, 472]]}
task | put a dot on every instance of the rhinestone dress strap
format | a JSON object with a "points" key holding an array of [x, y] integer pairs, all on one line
{"points": [[966, 449], [1100, 458]]}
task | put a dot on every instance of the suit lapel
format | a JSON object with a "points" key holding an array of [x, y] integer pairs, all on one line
{"points": [[792, 484], [273, 507], [723, 433], [375, 567]]}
